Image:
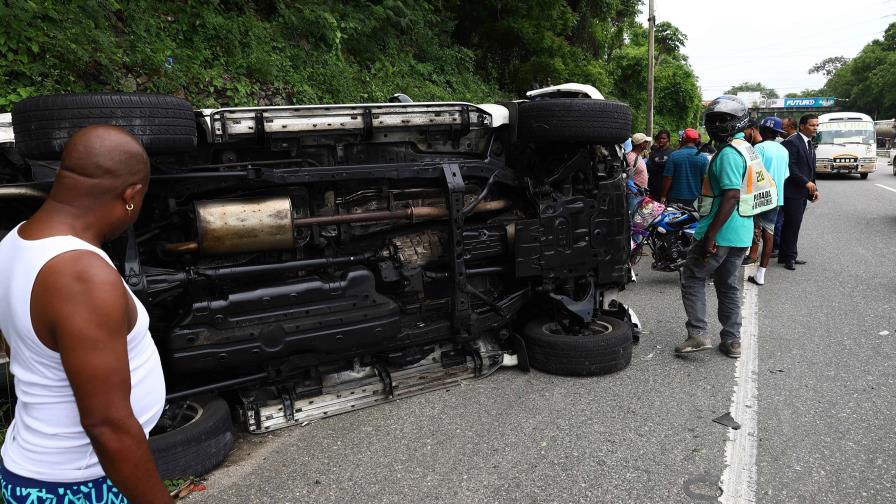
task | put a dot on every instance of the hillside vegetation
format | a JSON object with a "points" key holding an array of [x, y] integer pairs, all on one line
{"points": [[237, 52]]}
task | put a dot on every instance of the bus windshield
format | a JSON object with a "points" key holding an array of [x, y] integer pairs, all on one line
{"points": [[845, 132]]}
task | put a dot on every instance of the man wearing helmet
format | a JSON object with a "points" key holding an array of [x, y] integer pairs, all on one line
{"points": [[723, 234]]}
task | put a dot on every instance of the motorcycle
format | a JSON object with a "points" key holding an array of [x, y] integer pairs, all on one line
{"points": [[667, 230]]}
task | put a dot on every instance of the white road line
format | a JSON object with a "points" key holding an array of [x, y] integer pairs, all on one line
{"points": [[739, 479], [885, 187]]}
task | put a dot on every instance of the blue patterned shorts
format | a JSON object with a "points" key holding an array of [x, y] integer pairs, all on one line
{"points": [[21, 490], [766, 220]]}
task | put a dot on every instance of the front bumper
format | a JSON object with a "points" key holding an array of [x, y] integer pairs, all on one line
{"points": [[863, 165]]}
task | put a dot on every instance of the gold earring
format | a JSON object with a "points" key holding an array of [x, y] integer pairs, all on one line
{"points": [[129, 207]]}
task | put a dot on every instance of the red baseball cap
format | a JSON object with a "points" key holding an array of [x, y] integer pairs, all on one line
{"points": [[691, 134]]}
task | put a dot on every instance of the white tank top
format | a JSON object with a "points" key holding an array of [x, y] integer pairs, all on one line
{"points": [[45, 441]]}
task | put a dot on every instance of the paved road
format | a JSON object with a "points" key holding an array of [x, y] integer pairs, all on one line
{"points": [[825, 403]]}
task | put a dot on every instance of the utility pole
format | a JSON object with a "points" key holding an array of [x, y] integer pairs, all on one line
{"points": [[651, 23]]}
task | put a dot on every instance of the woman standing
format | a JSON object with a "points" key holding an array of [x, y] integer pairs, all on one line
{"points": [[634, 162]]}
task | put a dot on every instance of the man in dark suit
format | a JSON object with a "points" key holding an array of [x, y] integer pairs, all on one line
{"points": [[799, 188]]}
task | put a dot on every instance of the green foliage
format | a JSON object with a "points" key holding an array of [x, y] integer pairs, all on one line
{"points": [[526, 43], [240, 52], [867, 80], [753, 86], [228, 53], [176, 484], [677, 101], [669, 39], [47, 48]]}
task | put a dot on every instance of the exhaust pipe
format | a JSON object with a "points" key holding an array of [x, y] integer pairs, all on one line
{"points": [[226, 227]]}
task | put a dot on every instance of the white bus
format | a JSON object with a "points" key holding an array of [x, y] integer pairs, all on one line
{"points": [[846, 144]]}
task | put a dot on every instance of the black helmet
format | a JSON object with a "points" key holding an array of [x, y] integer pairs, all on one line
{"points": [[725, 116]]}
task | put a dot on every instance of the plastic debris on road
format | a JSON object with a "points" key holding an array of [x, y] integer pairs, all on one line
{"points": [[727, 420]]}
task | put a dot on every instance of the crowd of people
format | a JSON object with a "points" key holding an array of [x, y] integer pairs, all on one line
{"points": [[741, 222]]}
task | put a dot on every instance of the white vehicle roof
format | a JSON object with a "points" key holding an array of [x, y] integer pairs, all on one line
{"points": [[571, 87], [6, 135], [843, 116], [306, 118]]}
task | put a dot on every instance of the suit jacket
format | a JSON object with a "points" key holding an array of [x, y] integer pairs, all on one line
{"points": [[802, 167]]}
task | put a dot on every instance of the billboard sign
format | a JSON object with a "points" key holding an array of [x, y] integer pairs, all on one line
{"points": [[813, 102]]}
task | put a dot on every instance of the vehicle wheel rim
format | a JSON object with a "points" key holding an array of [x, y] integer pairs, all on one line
{"points": [[595, 328], [177, 415]]}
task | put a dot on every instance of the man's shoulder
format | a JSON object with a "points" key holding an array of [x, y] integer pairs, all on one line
{"points": [[676, 154], [683, 154], [791, 141], [771, 146], [728, 154], [728, 158], [81, 271]]}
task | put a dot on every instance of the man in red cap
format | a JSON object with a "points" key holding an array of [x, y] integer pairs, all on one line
{"points": [[683, 176]]}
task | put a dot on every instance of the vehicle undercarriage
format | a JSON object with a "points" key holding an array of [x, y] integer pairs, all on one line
{"points": [[306, 261]]}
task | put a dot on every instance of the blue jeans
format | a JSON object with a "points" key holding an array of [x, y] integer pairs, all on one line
{"points": [[21, 490]]}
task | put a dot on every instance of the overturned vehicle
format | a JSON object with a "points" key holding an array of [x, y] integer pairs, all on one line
{"points": [[303, 261]]}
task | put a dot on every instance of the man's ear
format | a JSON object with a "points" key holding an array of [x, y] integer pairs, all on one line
{"points": [[132, 193]]}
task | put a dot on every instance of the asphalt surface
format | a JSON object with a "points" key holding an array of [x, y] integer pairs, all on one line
{"points": [[645, 435]]}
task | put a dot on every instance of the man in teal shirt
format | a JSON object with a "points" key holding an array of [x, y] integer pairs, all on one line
{"points": [[722, 237], [775, 158]]}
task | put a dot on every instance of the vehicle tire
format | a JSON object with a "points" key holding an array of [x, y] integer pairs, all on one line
{"points": [[863, 176], [43, 124], [197, 442], [574, 120], [606, 347]]}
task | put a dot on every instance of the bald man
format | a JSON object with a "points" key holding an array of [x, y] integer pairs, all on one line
{"points": [[87, 373]]}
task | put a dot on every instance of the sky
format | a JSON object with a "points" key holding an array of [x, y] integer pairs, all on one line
{"points": [[774, 43]]}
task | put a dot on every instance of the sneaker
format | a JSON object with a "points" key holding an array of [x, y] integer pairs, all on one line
{"points": [[730, 348], [748, 261], [694, 343]]}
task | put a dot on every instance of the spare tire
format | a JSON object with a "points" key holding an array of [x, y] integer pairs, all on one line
{"points": [[43, 124], [574, 120], [193, 437], [604, 347]]}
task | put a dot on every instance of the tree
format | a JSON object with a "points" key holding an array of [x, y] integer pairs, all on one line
{"points": [[677, 96], [669, 39], [867, 80], [246, 53], [828, 66], [753, 86]]}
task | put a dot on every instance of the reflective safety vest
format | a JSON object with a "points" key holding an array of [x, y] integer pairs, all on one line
{"points": [[757, 191]]}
